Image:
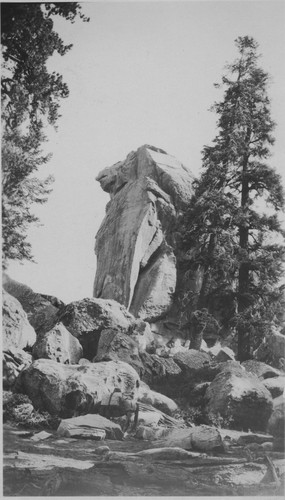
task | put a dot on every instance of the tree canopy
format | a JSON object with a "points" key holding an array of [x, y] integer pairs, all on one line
{"points": [[231, 236], [31, 97]]}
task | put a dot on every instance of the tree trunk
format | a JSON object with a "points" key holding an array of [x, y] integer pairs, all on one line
{"points": [[196, 339], [243, 279], [197, 331]]}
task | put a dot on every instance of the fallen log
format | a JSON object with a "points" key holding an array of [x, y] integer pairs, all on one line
{"points": [[175, 455]]}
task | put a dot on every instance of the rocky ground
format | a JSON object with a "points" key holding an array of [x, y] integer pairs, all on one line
{"points": [[37, 464], [96, 402]]}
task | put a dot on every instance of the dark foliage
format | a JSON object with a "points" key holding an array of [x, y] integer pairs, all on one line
{"points": [[224, 229], [31, 97]]}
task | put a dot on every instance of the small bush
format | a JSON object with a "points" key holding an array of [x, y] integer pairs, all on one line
{"points": [[17, 410], [199, 416], [11, 400]]}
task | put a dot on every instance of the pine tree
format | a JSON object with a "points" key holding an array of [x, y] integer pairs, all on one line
{"points": [[233, 240], [30, 101]]}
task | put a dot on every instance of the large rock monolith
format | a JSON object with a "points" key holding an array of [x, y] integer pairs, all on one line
{"points": [[136, 243]]}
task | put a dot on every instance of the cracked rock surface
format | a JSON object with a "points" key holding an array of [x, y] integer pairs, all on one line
{"points": [[135, 245]]}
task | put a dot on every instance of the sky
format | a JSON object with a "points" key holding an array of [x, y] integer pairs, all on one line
{"points": [[138, 73]]}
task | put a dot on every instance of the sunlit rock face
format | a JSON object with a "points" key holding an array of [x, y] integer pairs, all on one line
{"points": [[135, 245]]}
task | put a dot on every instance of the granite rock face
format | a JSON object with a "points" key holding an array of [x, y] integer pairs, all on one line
{"points": [[17, 331], [135, 245]]}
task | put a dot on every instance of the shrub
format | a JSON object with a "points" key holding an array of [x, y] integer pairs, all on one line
{"points": [[18, 410]]}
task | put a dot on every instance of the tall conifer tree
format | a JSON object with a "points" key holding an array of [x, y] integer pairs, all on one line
{"points": [[234, 241], [30, 96]]}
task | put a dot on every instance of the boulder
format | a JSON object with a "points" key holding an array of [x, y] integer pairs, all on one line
{"points": [[14, 361], [191, 361], [167, 332], [243, 438], [149, 418], [55, 301], [151, 433], [261, 370], [89, 426], [42, 314], [157, 400], [276, 423], [160, 372], [114, 345], [272, 350], [224, 354], [72, 390], [195, 393], [152, 369], [58, 344], [84, 361], [40, 436], [142, 334], [200, 438], [276, 386], [86, 319], [135, 245], [17, 331], [239, 397], [206, 438]]}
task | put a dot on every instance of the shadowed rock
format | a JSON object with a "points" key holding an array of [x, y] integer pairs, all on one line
{"points": [[42, 314], [85, 319]]}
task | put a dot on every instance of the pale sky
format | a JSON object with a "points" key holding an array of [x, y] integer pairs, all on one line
{"points": [[139, 72]]}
